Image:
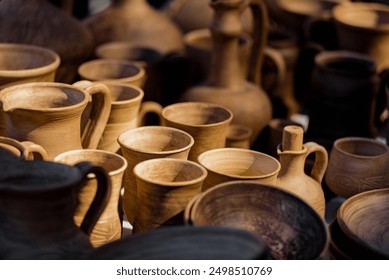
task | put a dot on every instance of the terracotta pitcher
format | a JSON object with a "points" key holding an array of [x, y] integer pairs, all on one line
{"points": [[108, 227], [22, 63], [226, 84], [25, 150], [38, 22], [293, 154], [138, 22], [37, 206], [49, 114]]}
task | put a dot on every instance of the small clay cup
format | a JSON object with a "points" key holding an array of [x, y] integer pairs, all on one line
{"points": [[164, 188], [238, 136], [108, 227], [144, 143], [117, 70], [229, 164], [356, 165], [207, 123]]}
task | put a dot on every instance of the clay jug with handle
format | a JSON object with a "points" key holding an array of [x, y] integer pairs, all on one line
{"points": [[49, 114], [293, 154], [37, 203], [24, 150], [226, 85]]}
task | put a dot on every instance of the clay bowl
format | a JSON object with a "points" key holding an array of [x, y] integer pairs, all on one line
{"points": [[290, 227], [186, 243], [364, 220]]}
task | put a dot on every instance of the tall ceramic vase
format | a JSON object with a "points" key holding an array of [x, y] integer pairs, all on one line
{"points": [[226, 84], [135, 21], [37, 22]]}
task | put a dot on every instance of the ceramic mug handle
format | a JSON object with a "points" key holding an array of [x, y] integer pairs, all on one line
{"points": [[33, 151], [149, 107], [321, 160], [101, 198], [100, 111]]}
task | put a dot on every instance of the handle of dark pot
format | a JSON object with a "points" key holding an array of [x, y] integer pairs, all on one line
{"points": [[321, 160], [101, 198], [260, 30], [100, 111], [379, 103], [278, 61]]}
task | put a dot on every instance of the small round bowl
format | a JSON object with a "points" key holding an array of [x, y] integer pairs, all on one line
{"points": [[291, 228], [364, 220], [186, 243]]}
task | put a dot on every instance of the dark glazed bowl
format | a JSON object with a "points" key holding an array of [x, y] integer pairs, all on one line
{"points": [[291, 228], [186, 243]]}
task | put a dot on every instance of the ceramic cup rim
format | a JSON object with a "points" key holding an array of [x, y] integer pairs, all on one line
{"points": [[62, 157], [8, 90], [200, 159], [37, 71], [203, 104], [122, 142], [197, 180], [140, 92], [360, 139], [140, 74]]}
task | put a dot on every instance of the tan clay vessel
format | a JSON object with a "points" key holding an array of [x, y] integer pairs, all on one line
{"points": [[135, 21], [38, 202], [38, 22], [22, 63], [293, 154], [238, 136], [164, 187], [49, 114], [230, 164], [144, 143], [206, 123], [109, 226], [366, 169], [226, 84]]}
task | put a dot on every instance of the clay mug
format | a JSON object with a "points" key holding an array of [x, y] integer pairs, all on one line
{"points": [[108, 227], [164, 187], [147, 58], [363, 28], [356, 165], [49, 114], [127, 112], [238, 136], [24, 150], [345, 97], [207, 123], [144, 143], [38, 200], [117, 70], [229, 164], [21, 63]]}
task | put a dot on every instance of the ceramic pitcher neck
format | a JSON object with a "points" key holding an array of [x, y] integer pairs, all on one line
{"points": [[292, 163], [226, 70]]}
